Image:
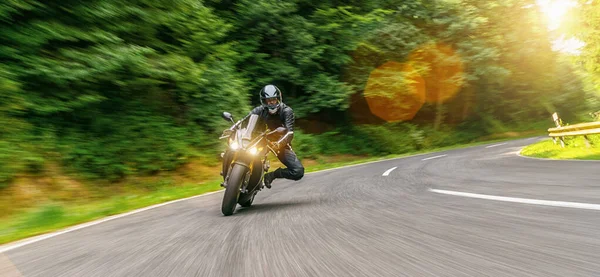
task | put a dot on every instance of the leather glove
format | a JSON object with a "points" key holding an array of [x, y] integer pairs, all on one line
{"points": [[275, 146], [227, 132]]}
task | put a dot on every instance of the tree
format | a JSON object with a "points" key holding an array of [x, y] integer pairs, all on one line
{"points": [[300, 46], [583, 25], [125, 86]]}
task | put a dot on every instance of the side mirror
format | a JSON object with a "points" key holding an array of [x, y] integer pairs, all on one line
{"points": [[227, 116]]}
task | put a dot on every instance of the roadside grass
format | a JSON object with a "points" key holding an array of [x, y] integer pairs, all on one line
{"points": [[53, 216], [575, 149], [56, 215]]}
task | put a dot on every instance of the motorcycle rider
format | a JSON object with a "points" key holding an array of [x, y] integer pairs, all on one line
{"points": [[277, 114]]}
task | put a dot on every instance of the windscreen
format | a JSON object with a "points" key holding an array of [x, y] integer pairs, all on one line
{"points": [[250, 127]]}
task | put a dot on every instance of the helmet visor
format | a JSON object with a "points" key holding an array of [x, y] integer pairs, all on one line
{"points": [[272, 103]]}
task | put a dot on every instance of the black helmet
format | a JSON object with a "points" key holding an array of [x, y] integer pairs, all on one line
{"points": [[270, 92]]}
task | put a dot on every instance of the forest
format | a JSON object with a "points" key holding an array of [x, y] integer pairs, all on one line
{"points": [[108, 89]]}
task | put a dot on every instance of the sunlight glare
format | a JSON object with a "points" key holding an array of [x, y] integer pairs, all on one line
{"points": [[568, 45], [555, 11]]}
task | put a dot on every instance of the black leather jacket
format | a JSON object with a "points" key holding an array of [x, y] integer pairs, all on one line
{"points": [[283, 118]]}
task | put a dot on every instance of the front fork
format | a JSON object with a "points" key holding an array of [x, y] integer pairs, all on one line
{"points": [[248, 162], [242, 160]]}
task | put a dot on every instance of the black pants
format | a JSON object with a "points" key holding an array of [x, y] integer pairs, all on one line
{"points": [[293, 171]]}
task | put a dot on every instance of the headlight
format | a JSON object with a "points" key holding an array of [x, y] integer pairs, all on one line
{"points": [[253, 151], [234, 145]]}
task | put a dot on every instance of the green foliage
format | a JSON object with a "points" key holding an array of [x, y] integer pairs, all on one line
{"points": [[113, 88], [12, 129], [306, 145], [383, 140], [10, 163], [46, 216], [126, 87], [395, 138], [363, 140], [301, 47], [582, 24], [129, 144]]}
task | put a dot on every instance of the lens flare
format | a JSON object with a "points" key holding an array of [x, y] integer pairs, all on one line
{"points": [[441, 68], [395, 91]]}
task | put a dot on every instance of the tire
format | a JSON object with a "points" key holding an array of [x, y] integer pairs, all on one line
{"points": [[232, 191], [246, 200]]}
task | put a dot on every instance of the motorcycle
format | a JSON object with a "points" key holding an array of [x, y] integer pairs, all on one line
{"points": [[246, 159]]}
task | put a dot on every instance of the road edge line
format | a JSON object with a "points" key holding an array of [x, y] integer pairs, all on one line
{"points": [[23, 242]]}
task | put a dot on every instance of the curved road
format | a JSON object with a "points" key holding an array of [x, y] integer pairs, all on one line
{"points": [[479, 211]]}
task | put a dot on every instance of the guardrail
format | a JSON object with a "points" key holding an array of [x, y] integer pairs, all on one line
{"points": [[582, 129]]}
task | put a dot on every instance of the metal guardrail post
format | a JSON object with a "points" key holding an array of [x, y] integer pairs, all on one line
{"points": [[581, 129], [558, 124]]}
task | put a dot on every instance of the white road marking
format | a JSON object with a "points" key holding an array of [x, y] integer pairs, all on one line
{"points": [[435, 157], [389, 171], [18, 244], [562, 204], [496, 145], [367, 163]]}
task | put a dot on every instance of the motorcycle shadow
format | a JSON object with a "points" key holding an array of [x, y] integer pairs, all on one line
{"points": [[273, 206]]}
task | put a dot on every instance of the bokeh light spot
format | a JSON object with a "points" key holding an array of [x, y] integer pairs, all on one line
{"points": [[395, 91], [441, 68]]}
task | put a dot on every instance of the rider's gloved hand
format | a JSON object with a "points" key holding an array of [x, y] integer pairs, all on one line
{"points": [[275, 146], [227, 132]]}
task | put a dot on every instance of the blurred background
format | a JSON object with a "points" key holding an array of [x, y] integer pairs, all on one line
{"points": [[108, 105]]}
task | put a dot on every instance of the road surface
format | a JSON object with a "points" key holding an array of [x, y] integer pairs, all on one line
{"points": [[479, 211]]}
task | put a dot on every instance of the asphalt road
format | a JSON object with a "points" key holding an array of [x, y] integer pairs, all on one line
{"points": [[354, 221]]}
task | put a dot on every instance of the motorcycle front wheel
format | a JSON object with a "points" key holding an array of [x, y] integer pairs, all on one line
{"points": [[232, 191]]}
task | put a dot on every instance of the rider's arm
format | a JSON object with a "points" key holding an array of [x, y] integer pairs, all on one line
{"points": [[288, 123]]}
